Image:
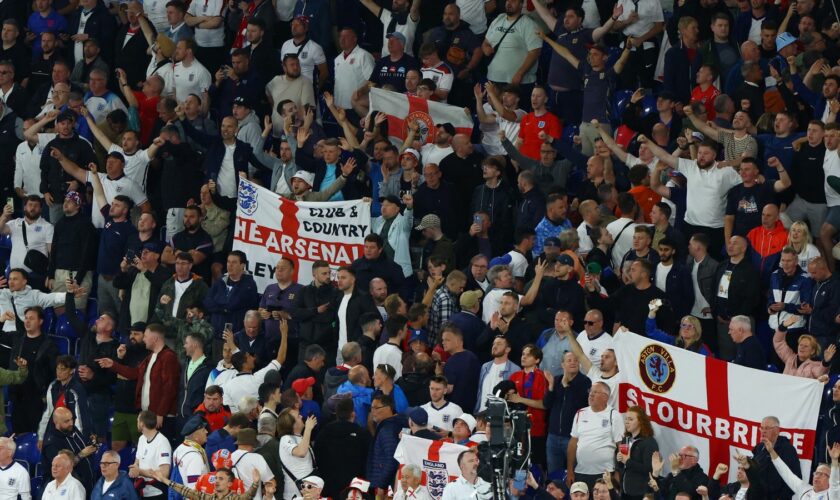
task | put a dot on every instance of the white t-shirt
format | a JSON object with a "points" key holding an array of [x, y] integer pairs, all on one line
{"points": [[310, 56], [518, 264], [190, 464], [194, 79], [28, 168], [442, 417], [299, 466], [342, 322], [706, 197], [351, 71], [490, 131], [650, 12], [408, 29], [151, 455], [623, 244], [156, 14], [491, 380], [145, 393], [391, 355], [597, 434], [431, 153], [441, 74], [136, 165], [593, 348], [662, 275], [39, 234], [70, 489], [831, 166], [246, 462], [596, 375], [165, 71], [492, 301], [243, 384], [285, 9], [213, 37], [100, 106], [472, 11], [14, 481], [226, 181], [112, 187]]}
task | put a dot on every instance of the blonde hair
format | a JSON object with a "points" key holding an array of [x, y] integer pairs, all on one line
{"points": [[698, 331], [815, 346], [808, 239]]}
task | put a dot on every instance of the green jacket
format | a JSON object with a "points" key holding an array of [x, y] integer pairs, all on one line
{"points": [[194, 294], [9, 377], [177, 330]]}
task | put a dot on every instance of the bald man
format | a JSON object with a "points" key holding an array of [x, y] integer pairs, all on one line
{"points": [[66, 436], [358, 384]]}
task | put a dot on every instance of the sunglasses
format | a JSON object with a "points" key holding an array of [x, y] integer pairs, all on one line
{"points": [[588, 323]]}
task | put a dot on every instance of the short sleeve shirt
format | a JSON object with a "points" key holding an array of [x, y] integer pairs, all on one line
{"points": [[299, 466], [136, 165], [388, 72], [113, 187], [310, 55], [39, 234], [151, 455], [597, 433], [521, 39], [213, 37], [746, 204], [597, 88], [245, 463]]}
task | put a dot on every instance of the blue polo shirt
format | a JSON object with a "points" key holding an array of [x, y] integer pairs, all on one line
{"points": [[112, 243]]}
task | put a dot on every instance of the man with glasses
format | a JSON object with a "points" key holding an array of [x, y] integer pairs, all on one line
{"points": [[381, 465], [596, 431], [771, 447], [114, 482], [686, 474]]}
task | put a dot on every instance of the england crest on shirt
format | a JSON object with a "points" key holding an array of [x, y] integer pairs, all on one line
{"points": [[192, 77], [541, 124], [11, 481]]}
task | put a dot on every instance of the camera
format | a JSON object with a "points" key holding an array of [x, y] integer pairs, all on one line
{"points": [[508, 449]]}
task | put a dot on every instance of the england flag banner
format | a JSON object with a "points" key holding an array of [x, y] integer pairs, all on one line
{"points": [[437, 460], [403, 109], [269, 226], [711, 404]]}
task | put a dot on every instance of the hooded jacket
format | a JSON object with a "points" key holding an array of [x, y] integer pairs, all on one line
{"points": [[361, 400], [333, 378], [381, 464], [74, 399], [767, 246], [194, 294]]}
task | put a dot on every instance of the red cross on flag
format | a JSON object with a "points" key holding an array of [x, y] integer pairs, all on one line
{"points": [[403, 109], [711, 404]]}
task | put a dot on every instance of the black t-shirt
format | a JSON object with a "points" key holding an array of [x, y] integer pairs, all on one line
{"points": [[746, 204], [388, 72], [201, 241]]}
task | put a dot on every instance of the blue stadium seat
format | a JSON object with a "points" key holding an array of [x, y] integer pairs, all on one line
{"points": [[35, 484], [63, 343], [772, 368], [27, 448], [620, 101], [63, 327], [49, 320], [648, 104], [569, 133], [127, 457]]}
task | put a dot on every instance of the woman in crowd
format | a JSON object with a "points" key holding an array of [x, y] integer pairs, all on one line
{"points": [[805, 362], [635, 453], [689, 337], [295, 450], [799, 238]]}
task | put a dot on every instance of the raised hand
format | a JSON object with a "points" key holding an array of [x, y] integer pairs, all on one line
{"points": [[656, 463]]}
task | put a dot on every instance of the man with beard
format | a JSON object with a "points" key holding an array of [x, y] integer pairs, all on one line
{"points": [[458, 47], [312, 308], [291, 85], [136, 159], [54, 180], [707, 186], [302, 183], [399, 20], [124, 428], [194, 240], [310, 54], [737, 143], [436, 151], [66, 436], [29, 233]]}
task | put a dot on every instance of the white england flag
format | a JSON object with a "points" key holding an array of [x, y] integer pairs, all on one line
{"points": [[438, 460], [711, 404], [403, 109], [269, 226]]}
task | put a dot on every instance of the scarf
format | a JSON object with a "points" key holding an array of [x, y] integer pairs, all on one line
{"points": [[239, 41]]}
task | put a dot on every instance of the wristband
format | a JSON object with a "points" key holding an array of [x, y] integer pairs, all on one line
{"points": [[782, 328]]}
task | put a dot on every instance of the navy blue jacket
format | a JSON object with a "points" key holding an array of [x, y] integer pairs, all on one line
{"points": [[471, 326], [191, 392], [563, 403], [773, 483], [744, 21], [814, 99], [825, 302], [679, 289], [121, 489], [680, 72], [230, 306], [381, 465], [100, 25], [75, 400]]}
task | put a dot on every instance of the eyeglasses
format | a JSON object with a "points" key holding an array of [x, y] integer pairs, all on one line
{"points": [[107, 463], [685, 455]]}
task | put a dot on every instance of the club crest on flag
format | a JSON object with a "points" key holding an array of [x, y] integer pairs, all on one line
{"points": [[247, 198], [436, 477], [657, 368], [424, 122]]}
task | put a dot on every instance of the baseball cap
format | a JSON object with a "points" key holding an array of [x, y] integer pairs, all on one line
{"points": [[428, 221], [242, 101], [551, 242], [166, 45], [418, 416], [399, 36], [593, 268], [783, 40], [138, 327], [307, 177], [467, 419], [469, 299], [300, 385], [411, 151], [317, 481], [221, 459], [117, 155], [73, 195], [391, 199], [195, 423], [419, 335], [565, 259], [448, 127], [153, 246], [500, 261], [578, 487], [304, 20]]}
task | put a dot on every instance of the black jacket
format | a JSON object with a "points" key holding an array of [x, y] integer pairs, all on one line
{"points": [[55, 441], [125, 281], [636, 471], [679, 289], [359, 304], [415, 386], [191, 392], [42, 371], [383, 267], [706, 275], [315, 327], [53, 178], [102, 26], [341, 450], [91, 350], [774, 485], [563, 403], [78, 241], [128, 53], [825, 301], [687, 480], [357, 185], [744, 290], [11, 134]]}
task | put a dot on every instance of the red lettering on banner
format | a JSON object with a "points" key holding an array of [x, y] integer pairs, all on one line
{"points": [[721, 429], [277, 241]]}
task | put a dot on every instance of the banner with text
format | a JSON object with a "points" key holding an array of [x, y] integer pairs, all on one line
{"points": [[711, 404], [269, 226]]}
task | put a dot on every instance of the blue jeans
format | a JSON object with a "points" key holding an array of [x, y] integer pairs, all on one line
{"points": [[556, 447]]}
